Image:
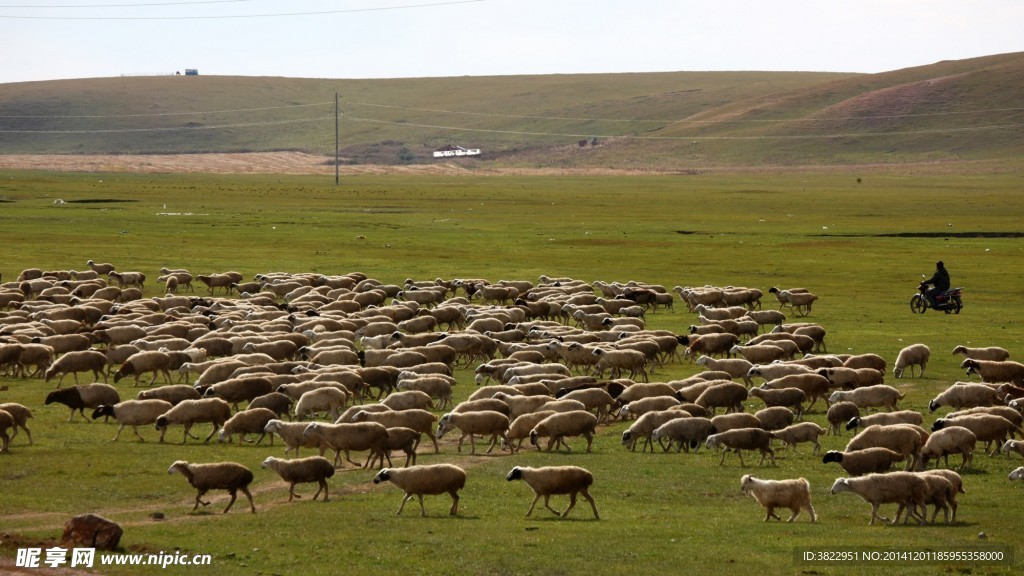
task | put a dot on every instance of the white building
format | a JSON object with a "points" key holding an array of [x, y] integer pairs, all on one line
{"points": [[450, 151]]}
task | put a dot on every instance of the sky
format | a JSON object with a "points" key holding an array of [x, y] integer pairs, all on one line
{"points": [[57, 39]]}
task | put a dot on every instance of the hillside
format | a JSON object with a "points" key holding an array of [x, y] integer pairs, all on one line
{"points": [[948, 111]]}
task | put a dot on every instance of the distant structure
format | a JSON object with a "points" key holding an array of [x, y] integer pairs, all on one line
{"points": [[191, 72], [450, 151]]}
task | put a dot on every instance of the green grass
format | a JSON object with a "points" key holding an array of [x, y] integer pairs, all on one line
{"points": [[828, 232]]}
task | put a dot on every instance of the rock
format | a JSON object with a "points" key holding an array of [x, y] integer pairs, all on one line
{"points": [[91, 531]]}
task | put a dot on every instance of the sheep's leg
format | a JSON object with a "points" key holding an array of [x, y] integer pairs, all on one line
{"points": [[547, 499], [323, 488], [216, 425], [532, 505], [572, 504], [406, 499], [252, 505], [199, 500], [292, 494], [770, 513], [455, 502], [494, 440]]}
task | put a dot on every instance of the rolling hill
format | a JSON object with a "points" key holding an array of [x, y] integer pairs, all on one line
{"points": [[964, 110]]}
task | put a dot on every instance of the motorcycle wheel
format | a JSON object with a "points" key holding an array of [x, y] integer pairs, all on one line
{"points": [[918, 304], [957, 305]]}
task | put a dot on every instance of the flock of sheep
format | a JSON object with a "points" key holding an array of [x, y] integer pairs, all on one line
{"points": [[347, 364]]}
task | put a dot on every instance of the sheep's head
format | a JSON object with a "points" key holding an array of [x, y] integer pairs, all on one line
{"points": [[313, 428], [832, 456], [840, 485], [933, 406], [515, 474], [179, 466], [854, 423], [383, 476], [268, 462], [938, 425]]}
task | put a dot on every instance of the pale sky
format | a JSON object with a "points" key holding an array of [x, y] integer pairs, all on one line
{"points": [[54, 39]]}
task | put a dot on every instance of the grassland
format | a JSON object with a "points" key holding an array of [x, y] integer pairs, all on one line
{"points": [[860, 242]]}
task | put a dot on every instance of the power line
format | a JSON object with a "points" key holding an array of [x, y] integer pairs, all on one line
{"points": [[236, 16]]}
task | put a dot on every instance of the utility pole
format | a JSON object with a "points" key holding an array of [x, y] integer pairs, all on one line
{"points": [[336, 141]]}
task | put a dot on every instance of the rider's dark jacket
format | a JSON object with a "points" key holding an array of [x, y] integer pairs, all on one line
{"points": [[940, 280]]}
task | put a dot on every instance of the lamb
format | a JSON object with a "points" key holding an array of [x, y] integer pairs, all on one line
{"points": [[840, 413], [326, 399], [133, 413], [786, 397], [189, 412], [1008, 446], [728, 395], [802, 432], [617, 360], [77, 361], [82, 396], [145, 361], [312, 469], [426, 480], [416, 419], [990, 353], [903, 438], [251, 421], [216, 476], [471, 423], [346, 437], [399, 438], [799, 301], [291, 433], [686, 433], [1005, 371], [740, 439], [559, 425], [20, 415], [1017, 474], [964, 395], [645, 425], [772, 494], [520, 428], [886, 419], [174, 393], [866, 461], [867, 360], [950, 440], [550, 480], [6, 422], [905, 488], [910, 356], [957, 483], [987, 427], [879, 395]]}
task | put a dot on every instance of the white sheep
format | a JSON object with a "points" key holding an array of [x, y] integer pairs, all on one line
{"points": [[6, 422], [561, 424], [618, 360], [346, 437], [327, 399], [1008, 446], [133, 413], [189, 412], [428, 480], [1005, 371], [77, 361], [728, 395], [950, 440], [879, 395], [646, 424], [250, 421], [988, 428], [910, 356], [801, 432], [772, 494], [686, 433], [740, 439], [903, 438], [487, 422], [786, 397], [550, 480], [886, 419], [312, 469], [964, 395], [174, 393], [292, 434], [866, 461], [216, 476], [904, 488], [520, 429], [759, 353], [991, 353], [774, 418]]}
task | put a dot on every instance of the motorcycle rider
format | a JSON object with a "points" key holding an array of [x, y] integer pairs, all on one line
{"points": [[939, 282]]}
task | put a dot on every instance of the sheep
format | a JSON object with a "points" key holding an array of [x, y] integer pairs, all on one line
{"points": [[559, 425], [728, 395], [774, 418], [850, 378], [710, 344], [987, 427], [964, 395], [799, 301], [869, 460], [802, 432], [724, 422], [1005, 371], [950, 440], [347, 437], [407, 400], [910, 356], [772, 494], [903, 438], [102, 269], [426, 480], [991, 353], [593, 398], [867, 360], [20, 415], [645, 425], [250, 421], [879, 395], [174, 393], [399, 438], [617, 360], [759, 353], [241, 389], [1017, 474], [145, 361], [815, 386], [1008, 446], [775, 370], [439, 387], [291, 433], [956, 481], [416, 419], [785, 397], [216, 476], [841, 413], [686, 433], [905, 488], [276, 402], [550, 480], [189, 412], [473, 423], [77, 361], [326, 399], [6, 422], [312, 469], [82, 396], [133, 413], [886, 419], [638, 408], [740, 439]]}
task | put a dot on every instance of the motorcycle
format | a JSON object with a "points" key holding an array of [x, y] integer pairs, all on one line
{"points": [[948, 301]]}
